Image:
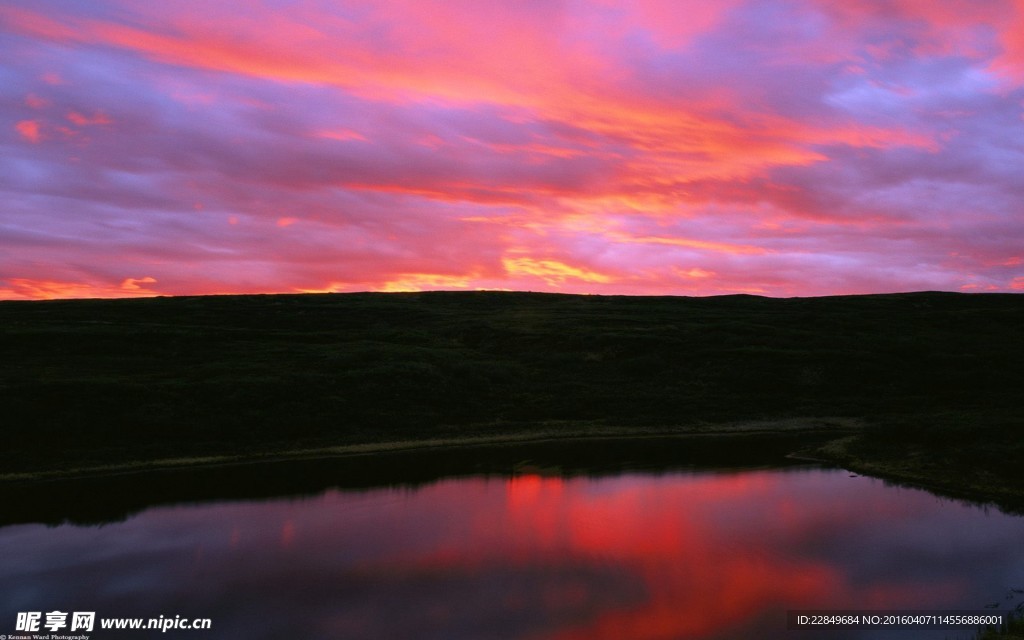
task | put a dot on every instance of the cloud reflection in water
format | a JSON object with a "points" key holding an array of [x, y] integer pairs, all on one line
{"points": [[709, 555]]}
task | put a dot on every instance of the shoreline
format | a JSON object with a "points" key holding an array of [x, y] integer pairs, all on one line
{"points": [[946, 481], [806, 437], [787, 428]]}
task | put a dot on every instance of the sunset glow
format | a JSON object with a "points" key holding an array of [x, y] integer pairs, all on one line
{"points": [[787, 147]]}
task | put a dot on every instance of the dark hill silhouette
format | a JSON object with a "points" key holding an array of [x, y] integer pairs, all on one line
{"points": [[935, 377]]}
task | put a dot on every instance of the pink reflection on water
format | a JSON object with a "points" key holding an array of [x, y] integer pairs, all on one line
{"points": [[544, 558]]}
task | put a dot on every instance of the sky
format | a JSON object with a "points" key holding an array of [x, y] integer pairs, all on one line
{"points": [[654, 147]]}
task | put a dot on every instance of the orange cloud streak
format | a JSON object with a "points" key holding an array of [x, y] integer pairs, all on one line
{"points": [[704, 245], [424, 282], [551, 271], [29, 289]]}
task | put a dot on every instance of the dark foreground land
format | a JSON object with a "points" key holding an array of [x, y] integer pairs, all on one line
{"points": [[923, 387]]}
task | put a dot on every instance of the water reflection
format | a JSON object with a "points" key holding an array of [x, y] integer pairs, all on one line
{"points": [[683, 554]]}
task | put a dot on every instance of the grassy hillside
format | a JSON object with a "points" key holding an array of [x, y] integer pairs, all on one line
{"points": [[938, 377]]}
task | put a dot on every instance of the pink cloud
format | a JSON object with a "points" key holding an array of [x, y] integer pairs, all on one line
{"points": [[84, 120], [1011, 61], [29, 129], [647, 147], [36, 102]]}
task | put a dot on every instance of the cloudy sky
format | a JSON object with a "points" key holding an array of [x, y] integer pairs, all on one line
{"points": [[778, 147]]}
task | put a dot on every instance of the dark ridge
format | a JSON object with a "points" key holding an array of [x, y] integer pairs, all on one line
{"points": [[937, 376]]}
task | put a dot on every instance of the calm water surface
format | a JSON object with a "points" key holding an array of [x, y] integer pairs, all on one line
{"points": [[635, 555]]}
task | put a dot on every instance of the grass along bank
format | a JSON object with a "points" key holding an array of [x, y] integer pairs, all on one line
{"points": [[796, 435]]}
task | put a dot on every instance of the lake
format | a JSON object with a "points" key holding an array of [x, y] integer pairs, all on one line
{"points": [[528, 554]]}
